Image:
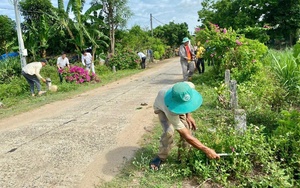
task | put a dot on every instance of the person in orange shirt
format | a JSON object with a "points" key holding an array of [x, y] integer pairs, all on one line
{"points": [[187, 55]]}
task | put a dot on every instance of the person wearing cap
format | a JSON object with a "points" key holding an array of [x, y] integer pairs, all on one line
{"points": [[187, 55], [61, 63], [174, 105], [31, 72], [143, 59]]}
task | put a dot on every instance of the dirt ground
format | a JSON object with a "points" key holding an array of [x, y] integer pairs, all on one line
{"points": [[84, 140]]}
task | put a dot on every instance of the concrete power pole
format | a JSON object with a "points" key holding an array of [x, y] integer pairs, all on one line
{"points": [[151, 26], [22, 50]]}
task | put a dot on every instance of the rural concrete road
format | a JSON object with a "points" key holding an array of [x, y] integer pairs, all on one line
{"points": [[84, 140]]}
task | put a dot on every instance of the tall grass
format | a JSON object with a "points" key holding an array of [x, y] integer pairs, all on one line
{"points": [[287, 70]]}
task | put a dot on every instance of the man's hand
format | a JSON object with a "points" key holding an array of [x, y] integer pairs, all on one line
{"points": [[43, 79], [191, 122], [211, 154]]}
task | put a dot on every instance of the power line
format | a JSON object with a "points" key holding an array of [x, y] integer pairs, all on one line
{"points": [[158, 20]]}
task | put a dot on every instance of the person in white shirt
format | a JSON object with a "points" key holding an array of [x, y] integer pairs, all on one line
{"points": [[62, 62], [143, 59], [31, 72], [87, 61], [174, 105]]}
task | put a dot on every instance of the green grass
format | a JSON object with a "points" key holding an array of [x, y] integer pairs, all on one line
{"points": [[25, 102]]}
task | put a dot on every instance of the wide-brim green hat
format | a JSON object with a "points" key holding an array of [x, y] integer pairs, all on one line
{"points": [[182, 99], [185, 39]]}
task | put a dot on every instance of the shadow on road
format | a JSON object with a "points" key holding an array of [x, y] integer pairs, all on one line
{"points": [[117, 158]]}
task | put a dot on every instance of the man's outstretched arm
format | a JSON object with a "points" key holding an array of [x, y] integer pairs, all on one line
{"points": [[210, 153]]}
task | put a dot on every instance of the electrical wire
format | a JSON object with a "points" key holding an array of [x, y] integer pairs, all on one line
{"points": [[158, 20]]}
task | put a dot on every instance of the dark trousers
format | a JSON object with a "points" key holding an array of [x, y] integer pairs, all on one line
{"points": [[32, 80], [61, 78], [200, 61], [143, 63]]}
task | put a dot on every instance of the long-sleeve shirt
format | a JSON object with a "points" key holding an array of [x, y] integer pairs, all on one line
{"points": [[184, 54], [33, 68], [86, 59]]}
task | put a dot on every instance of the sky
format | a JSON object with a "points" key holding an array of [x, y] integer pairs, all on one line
{"points": [[163, 11]]}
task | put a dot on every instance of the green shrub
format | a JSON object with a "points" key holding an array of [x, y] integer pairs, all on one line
{"points": [[16, 87], [9, 69], [124, 59], [156, 55], [159, 51], [251, 162], [229, 50], [286, 141]]}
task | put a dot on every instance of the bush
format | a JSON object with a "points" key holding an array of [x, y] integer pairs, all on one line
{"points": [[124, 59], [77, 74], [286, 141], [229, 50], [250, 164], [159, 51], [16, 87], [9, 69]]}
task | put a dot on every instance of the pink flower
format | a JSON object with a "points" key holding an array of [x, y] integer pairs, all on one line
{"points": [[232, 149], [197, 29], [224, 30], [239, 43], [212, 55], [254, 60]]}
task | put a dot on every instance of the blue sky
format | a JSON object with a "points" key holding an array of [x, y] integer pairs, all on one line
{"points": [[163, 11]]}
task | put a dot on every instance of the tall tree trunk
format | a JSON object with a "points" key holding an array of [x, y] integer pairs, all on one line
{"points": [[112, 40]]}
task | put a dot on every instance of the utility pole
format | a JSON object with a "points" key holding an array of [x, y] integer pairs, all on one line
{"points": [[22, 50], [151, 26]]}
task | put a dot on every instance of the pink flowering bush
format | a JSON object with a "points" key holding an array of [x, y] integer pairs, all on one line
{"points": [[229, 50], [125, 59], [77, 74]]}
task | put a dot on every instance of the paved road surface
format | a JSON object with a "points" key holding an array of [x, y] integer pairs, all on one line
{"points": [[84, 140]]}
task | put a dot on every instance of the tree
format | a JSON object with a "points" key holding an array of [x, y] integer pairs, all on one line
{"points": [[135, 38], [7, 34], [281, 17], [172, 34], [32, 11], [36, 21], [285, 15], [116, 13]]}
